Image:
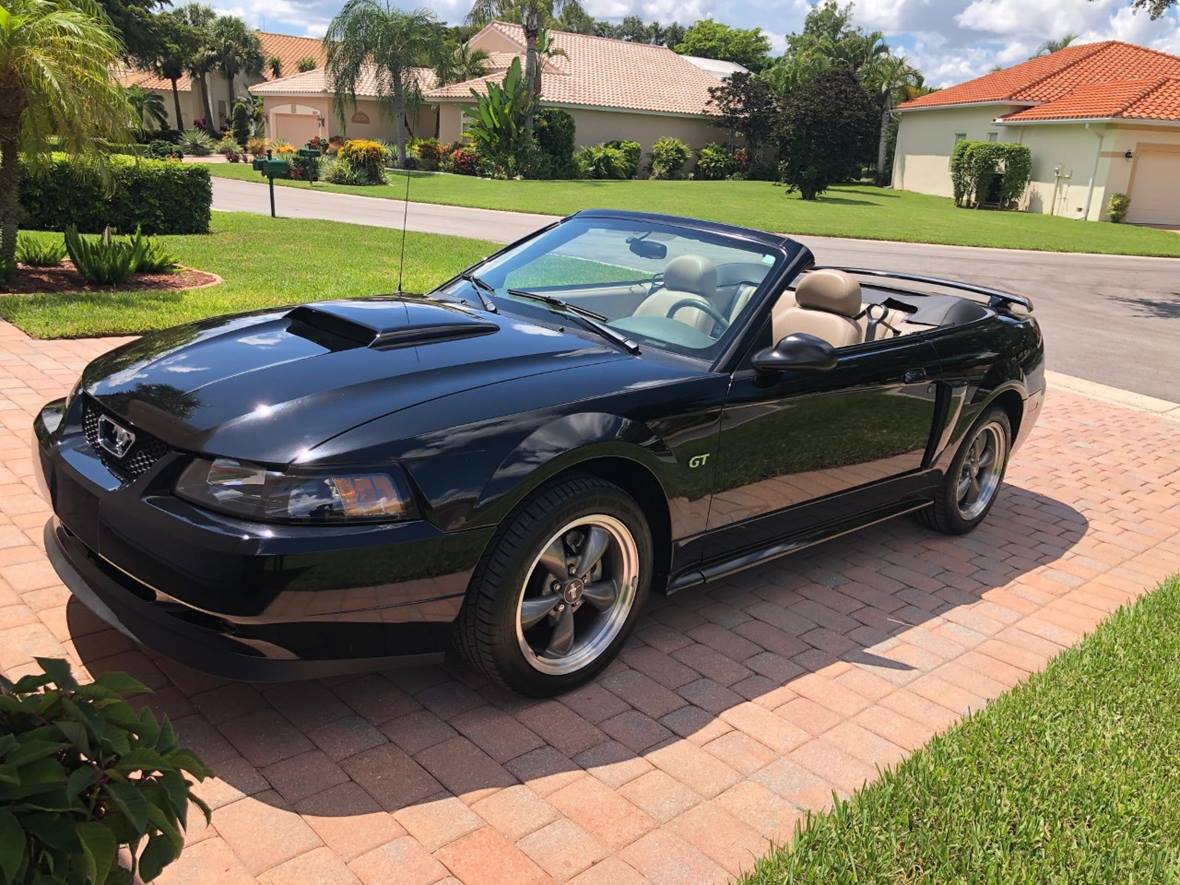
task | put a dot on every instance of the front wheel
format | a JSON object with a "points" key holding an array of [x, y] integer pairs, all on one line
{"points": [[973, 480], [559, 589]]}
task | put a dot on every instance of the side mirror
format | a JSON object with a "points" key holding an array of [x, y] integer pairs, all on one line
{"points": [[797, 351]]}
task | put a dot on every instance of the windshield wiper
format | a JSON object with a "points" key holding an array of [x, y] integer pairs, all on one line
{"points": [[596, 322], [482, 288]]}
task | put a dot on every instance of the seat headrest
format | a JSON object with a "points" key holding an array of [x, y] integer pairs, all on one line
{"points": [[830, 290], [691, 273]]}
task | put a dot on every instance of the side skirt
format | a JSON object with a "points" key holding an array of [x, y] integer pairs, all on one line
{"points": [[750, 558]]}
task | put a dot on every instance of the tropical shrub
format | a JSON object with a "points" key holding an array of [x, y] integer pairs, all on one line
{"points": [[336, 171], [826, 132], [715, 163], [1118, 207], [256, 146], [241, 121], [159, 196], [318, 143], [229, 148], [632, 152], [976, 165], [554, 131], [85, 773], [163, 150], [335, 143], [601, 161], [460, 160], [107, 259], [282, 148], [668, 156], [156, 259], [498, 133], [196, 143], [304, 168], [39, 252], [366, 157], [429, 153]]}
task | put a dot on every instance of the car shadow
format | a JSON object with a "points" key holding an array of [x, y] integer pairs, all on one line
{"points": [[890, 603]]}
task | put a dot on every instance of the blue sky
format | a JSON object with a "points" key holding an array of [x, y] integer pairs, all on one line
{"points": [[949, 40]]}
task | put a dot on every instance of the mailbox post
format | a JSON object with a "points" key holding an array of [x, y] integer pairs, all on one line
{"points": [[272, 169]]}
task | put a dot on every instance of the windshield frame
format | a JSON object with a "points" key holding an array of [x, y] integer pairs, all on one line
{"points": [[785, 252]]}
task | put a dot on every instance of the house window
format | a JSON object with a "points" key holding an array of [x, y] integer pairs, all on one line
{"points": [[360, 117], [960, 136], [221, 113], [992, 136]]}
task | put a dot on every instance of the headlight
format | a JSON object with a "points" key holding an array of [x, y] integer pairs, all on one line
{"points": [[256, 493]]}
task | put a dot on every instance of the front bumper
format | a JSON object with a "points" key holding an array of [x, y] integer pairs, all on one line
{"points": [[244, 600]]}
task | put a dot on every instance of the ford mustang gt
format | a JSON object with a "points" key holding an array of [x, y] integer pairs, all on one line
{"points": [[616, 405]]}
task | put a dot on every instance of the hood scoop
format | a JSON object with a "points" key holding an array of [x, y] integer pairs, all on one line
{"points": [[387, 322]]}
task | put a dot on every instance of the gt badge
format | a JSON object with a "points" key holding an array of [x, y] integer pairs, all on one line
{"points": [[698, 461]]}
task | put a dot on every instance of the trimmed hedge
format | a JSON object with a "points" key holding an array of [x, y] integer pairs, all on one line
{"points": [[157, 196], [975, 164]]}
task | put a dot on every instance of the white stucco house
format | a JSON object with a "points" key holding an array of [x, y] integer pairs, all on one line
{"points": [[1099, 119]]}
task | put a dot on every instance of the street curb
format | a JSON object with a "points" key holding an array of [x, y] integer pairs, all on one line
{"points": [[1160, 408]]}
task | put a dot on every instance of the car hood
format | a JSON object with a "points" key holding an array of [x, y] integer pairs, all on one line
{"points": [[267, 387]]}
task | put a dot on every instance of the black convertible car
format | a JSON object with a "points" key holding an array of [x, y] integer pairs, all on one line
{"points": [[618, 404]]}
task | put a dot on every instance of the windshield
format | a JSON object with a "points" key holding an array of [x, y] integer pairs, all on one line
{"points": [[659, 284]]}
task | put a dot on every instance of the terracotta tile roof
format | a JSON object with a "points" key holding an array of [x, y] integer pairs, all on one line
{"points": [[1092, 80], [601, 72], [316, 83], [1155, 99], [287, 48]]}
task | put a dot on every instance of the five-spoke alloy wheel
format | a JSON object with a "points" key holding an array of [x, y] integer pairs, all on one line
{"points": [[974, 476], [560, 587]]}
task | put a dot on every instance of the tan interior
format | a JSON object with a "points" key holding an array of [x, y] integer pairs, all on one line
{"points": [[687, 278]]}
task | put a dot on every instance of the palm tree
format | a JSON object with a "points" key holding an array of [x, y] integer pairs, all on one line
{"points": [[148, 108], [201, 61], [56, 58], [457, 63], [546, 51], [177, 43], [533, 15], [305, 64], [374, 35], [890, 77], [237, 50], [274, 64], [1051, 46]]}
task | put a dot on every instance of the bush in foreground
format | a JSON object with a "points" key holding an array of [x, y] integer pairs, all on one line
{"points": [[83, 773], [157, 196]]}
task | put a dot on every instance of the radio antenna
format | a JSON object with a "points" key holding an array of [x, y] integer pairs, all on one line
{"points": [[401, 264]]}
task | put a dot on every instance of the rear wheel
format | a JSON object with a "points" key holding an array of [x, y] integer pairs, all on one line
{"points": [[974, 477], [559, 589]]}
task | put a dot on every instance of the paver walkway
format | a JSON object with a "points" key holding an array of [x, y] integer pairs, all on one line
{"points": [[730, 714]]}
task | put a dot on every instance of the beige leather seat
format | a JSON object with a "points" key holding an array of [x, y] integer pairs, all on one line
{"points": [[687, 278], [827, 303]]}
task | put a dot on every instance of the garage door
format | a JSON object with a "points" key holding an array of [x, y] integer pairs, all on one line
{"points": [[1155, 195], [296, 128]]}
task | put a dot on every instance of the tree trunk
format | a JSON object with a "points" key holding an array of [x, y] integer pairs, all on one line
{"points": [[229, 91], [206, 108], [883, 142], [399, 115], [12, 101], [176, 105], [532, 79]]}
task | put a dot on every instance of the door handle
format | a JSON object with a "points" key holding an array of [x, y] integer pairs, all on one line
{"points": [[913, 376]]}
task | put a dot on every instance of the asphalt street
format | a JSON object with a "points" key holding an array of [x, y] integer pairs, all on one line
{"points": [[1110, 319]]}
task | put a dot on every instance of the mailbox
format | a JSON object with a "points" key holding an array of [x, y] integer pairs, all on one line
{"points": [[308, 153], [275, 168], [257, 163]]}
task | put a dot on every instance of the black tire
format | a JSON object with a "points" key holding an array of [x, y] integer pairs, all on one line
{"points": [[946, 515], [486, 629]]}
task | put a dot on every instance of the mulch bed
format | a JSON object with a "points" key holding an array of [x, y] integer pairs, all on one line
{"points": [[63, 278]]}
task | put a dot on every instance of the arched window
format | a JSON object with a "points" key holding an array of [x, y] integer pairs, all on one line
{"points": [[360, 117]]}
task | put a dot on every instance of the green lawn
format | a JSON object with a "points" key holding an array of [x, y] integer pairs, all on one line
{"points": [[1074, 776], [847, 211], [262, 262]]}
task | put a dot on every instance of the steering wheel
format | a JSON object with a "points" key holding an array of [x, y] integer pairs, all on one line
{"points": [[703, 306]]}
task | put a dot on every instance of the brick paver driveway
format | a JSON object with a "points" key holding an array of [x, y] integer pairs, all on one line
{"points": [[730, 713]]}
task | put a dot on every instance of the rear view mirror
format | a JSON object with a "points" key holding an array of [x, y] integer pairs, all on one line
{"points": [[797, 351], [647, 248]]}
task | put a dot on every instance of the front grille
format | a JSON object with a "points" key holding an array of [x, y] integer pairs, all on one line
{"points": [[140, 458]]}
